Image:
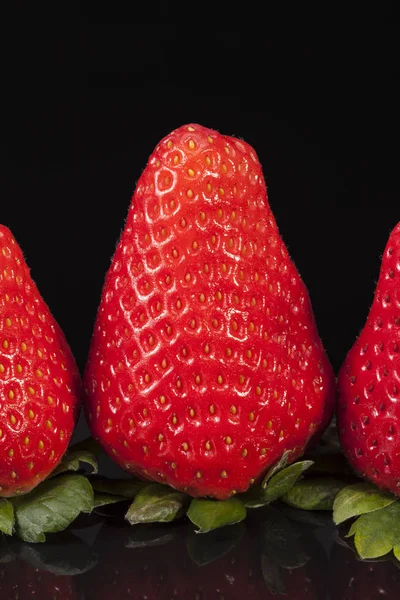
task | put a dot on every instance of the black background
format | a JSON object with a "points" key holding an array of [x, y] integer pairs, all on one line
{"points": [[87, 95]]}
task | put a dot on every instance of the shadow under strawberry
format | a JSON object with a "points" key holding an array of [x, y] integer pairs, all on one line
{"points": [[260, 558], [354, 579]]}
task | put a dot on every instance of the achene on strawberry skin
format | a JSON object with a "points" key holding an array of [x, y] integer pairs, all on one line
{"points": [[40, 385], [205, 363]]}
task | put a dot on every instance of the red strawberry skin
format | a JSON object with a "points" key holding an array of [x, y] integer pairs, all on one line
{"points": [[205, 363], [39, 381], [369, 382]]}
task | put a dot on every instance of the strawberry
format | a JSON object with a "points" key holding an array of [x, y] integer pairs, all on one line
{"points": [[369, 383], [39, 380], [205, 364]]}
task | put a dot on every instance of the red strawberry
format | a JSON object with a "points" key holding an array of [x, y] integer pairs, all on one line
{"points": [[369, 383], [39, 381], [205, 363]]}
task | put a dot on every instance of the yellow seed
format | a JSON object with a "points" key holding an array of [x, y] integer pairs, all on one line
{"points": [[235, 325], [49, 424], [241, 379], [202, 297], [233, 409], [5, 344], [109, 422], [145, 449], [263, 451], [190, 172], [164, 363], [178, 384], [31, 414], [206, 349], [145, 412], [31, 390], [258, 390], [249, 354], [269, 425], [41, 445], [195, 245], [169, 145], [219, 295], [26, 441], [160, 437], [244, 452], [228, 440], [198, 474], [19, 368], [206, 268], [169, 330], [224, 168], [39, 373], [1, 433], [275, 394], [185, 446], [213, 239], [215, 323], [162, 399], [173, 465], [208, 187], [190, 128], [11, 395], [251, 416], [252, 480], [219, 379], [126, 444], [176, 159], [11, 453], [13, 475], [13, 420], [174, 419], [191, 144], [221, 191], [224, 474], [187, 277], [30, 466], [293, 382], [50, 400], [2, 369], [224, 268], [207, 161], [189, 193], [228, 352], [192, 413], [210, 139], [281, 434], [208, 446], [212, 409], [8, 322]]}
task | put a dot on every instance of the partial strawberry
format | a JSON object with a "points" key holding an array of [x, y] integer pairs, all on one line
{"points": [[39, 380], [369, 383], [205, 363]]}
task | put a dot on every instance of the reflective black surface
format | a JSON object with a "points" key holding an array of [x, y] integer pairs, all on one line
{"points": [[275, 553]]}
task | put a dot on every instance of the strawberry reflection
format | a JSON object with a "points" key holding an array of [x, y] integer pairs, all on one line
{"points": [[264, 557]]}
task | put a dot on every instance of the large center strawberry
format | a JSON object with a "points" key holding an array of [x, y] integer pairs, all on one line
{"points": [[205, 363]]}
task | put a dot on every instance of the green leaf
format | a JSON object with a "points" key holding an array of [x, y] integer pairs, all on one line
{"points": [[315, 493], [276, 487], [128, 488], [101, 499], [378, 532], [52, 506], [282, 462], [72, 462], [156, 503], [359, 499], [6, 517], [280, 484], [211, 514]]}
